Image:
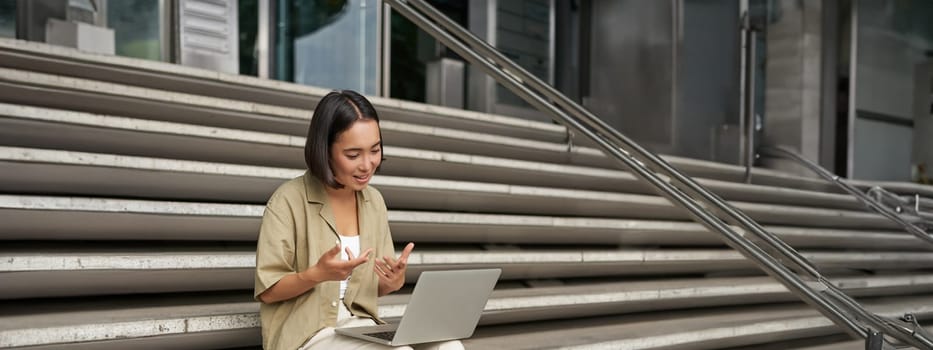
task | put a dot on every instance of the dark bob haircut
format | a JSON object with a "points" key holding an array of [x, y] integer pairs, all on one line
{"points": [[334, 114]]}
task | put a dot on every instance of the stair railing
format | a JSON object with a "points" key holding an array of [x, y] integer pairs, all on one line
{"points": [[899, 204], [877, 206], [774, 256]]}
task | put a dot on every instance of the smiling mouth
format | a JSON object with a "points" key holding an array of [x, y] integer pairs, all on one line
{"points": [[362, 178]]}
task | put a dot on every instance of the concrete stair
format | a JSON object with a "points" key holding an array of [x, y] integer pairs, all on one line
{"points": [[131, 194]]}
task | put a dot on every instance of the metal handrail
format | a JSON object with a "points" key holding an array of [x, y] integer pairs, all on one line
{"points": [[899, 203], [676, 187], [870, 203]]}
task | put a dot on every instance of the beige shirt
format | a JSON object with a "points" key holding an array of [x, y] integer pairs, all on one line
{"points": [[298, 226]]}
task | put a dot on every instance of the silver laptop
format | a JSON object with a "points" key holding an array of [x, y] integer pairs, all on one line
{"points": [[445, 305]]}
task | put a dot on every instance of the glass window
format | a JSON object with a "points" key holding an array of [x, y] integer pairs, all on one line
{"points": [[328, 43], [136, 26], [893, 38], [8, 18], [412, 49], [523, 34], [249, 29]]}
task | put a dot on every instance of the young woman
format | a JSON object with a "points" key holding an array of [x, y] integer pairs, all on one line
{"points": [[325, 253]]}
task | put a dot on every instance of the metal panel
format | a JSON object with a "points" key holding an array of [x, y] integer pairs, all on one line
{"points": [[632, 63], [923, 120], [208, 35], [707, 76]]}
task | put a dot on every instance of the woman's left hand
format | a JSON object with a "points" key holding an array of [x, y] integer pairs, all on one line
{"points": [[391, 272]]}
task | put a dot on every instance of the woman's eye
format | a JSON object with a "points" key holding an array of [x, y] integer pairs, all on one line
{"points": [[352, 156], [376, 151]]}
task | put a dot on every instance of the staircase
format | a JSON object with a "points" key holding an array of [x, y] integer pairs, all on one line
{"points": [[131, 194]]}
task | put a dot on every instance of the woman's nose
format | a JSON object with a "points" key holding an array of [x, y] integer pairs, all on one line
{"points": [[369, 162]]}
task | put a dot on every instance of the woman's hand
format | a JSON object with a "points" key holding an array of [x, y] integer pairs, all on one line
{"points": [[330, 267], [391, 272]]}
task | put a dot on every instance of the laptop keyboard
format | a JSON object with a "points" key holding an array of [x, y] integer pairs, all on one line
{"points": [[382, 335]]}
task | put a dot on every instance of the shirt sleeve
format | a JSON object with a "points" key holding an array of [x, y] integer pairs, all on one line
{"points": [[386, 245], [275, 248]]}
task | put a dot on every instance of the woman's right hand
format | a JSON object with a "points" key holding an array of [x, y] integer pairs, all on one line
{"points": [[330, 267]]}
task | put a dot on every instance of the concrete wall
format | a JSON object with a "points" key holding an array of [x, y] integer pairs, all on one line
{"points": [[793, 97]]}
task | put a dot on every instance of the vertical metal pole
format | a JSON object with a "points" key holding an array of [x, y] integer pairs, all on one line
{"points": [[677, 34], [263, 34], [363, 43], [385, 52], [100, 18], [744, 22], [552, 43], [166, 30], [750, 106], [853, 82]]}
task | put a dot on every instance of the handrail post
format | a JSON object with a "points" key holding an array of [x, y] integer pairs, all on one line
{"points": [[874, 205]]}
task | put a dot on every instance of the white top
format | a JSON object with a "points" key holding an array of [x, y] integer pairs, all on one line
{"points": [[354, 243]]}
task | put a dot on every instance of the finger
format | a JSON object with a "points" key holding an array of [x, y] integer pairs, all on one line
{"points": [[388, 261], [388, 267], [364, 257], [407, 251], [381, 272], [396, 264], [349, 254], [332, 252]]}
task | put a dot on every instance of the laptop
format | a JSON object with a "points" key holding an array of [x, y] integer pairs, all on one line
{"points": [[445, 305]]}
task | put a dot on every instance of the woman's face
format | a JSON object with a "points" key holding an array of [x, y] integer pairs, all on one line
{"points": [[355, 154]]}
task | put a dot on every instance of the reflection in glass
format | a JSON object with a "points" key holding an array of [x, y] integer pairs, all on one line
{"points": [[893, 38], [523, 34], [412, 48], [8, 18], [249, 28], [327, 43], [136, 28]]}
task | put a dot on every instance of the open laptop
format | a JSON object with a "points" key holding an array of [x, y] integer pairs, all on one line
{"points": [[445, 305]]}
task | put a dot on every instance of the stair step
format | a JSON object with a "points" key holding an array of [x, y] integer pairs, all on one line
{"points": [[56, 171], [188, 319], [27, 126], [72, 66], [699, 329], [164, 76], [29, 217], [67, 270], [433, 194]]}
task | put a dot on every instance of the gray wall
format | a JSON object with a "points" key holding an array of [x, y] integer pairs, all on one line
{"points": [[794, 95], [632, 69]]}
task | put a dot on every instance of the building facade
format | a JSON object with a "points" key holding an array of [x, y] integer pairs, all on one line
{"points": [[847, 83]]}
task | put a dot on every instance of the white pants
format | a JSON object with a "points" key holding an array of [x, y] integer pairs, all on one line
{"points": [[327, 339]]}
